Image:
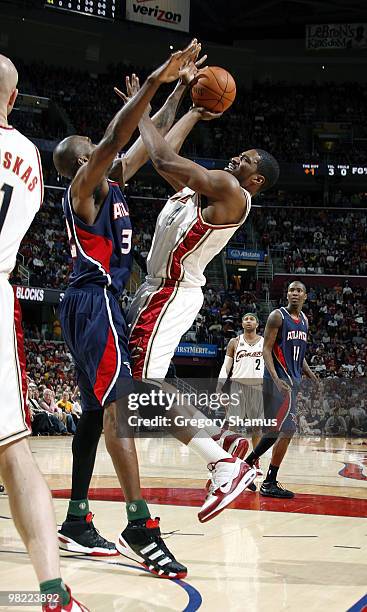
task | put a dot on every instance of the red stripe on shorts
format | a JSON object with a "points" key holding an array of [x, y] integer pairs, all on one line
{"points": [[106, 368], [283, 411], [144, 328], [21, 359]]}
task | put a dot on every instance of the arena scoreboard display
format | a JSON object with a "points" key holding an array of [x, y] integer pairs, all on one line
{"points": [[104, 9], [349, 170], [346, 170]]}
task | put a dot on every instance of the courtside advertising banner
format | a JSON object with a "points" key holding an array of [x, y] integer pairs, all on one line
{"points": [[172, 14], [336, 36]]}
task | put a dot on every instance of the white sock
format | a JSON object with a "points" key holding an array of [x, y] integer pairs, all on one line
{"points": [[213, 430], [209, 450]]}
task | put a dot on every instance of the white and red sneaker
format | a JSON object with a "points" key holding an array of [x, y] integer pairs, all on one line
{"points": [[228, 479], [72, 606], [259, 471], [233, 443]]}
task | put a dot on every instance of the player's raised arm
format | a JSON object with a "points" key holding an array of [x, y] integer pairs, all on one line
{"points": [[124, 168], [215, 184], [273, 325], [122, 126]]}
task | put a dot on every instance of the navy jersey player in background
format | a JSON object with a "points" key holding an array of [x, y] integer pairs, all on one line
{"points": [[93, 325], [285, 344]]}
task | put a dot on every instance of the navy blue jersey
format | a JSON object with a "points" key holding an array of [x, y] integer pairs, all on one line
{"points": [[101, 252], [290, 346]]}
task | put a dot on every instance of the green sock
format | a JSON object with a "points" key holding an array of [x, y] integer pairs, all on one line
{"points": [[56, 586], [137, 509], [78, 507]]}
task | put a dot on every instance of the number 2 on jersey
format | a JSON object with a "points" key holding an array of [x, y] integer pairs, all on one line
{"points": [[6, 192]]}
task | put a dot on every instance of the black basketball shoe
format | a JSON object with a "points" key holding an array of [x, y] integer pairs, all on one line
{"points": [[82, 537], [142, 542], [275, 489]]}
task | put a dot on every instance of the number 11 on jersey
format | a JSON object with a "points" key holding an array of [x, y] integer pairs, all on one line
{"points": [[296, 350]]}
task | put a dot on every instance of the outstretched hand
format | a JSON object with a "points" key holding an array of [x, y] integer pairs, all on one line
{"points": [[204, 114], [169, 71], [132, 88], [190, 68]]}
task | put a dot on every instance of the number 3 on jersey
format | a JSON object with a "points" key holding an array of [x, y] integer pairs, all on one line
{"points": [[6, 192], [126, 241]]}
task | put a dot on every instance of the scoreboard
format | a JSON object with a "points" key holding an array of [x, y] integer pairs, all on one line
{"points": [[104, 9], [322, 169], [346, 170]]}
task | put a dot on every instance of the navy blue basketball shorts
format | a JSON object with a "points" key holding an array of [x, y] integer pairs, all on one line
{"points": [[95, 331], [283, 408]]}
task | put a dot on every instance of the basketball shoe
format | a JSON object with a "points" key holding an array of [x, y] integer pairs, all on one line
{"points": [[275, 489], [233, 443], [142, 542], [72, 606], [81, 536], [229, 477]]}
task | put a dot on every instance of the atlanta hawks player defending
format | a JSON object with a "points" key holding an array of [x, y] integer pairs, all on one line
{"points": [[195, 225], [21, 194], [244, 363], [93, 326], [285, 343]]}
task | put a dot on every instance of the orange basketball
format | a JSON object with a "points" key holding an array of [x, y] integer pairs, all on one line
{"points": [[214, 89]]}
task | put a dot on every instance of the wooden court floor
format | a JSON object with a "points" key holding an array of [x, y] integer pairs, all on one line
{"points": [[306, 554]]}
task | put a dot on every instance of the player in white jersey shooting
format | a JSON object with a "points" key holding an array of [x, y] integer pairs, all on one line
{"points": [[244, 366], [21, 194], [195, 225]]}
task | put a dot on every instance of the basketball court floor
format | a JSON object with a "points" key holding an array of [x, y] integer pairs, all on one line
{"points": [[306, 554]]}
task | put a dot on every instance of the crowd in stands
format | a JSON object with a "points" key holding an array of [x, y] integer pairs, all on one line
{"points": [[315, 241], [44, 250], [270, 115], [337, 408], [54, 400]]}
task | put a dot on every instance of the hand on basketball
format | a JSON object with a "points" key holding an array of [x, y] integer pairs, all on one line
{"points": [[190, 68], [169, 71], [204, 114]]}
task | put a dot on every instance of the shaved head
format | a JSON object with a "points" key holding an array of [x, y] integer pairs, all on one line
{"points": [[70, 154], [8, 86]]}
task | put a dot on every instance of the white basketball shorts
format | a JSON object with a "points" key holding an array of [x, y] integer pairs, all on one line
{"points": [[158, 317], [14, 414]]}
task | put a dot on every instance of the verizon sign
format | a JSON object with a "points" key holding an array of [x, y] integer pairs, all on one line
{"points": [[172, 14]]}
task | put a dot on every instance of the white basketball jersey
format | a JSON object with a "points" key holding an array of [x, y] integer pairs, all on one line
{"points": [[21, 192], [248, 362], [183, 243]]}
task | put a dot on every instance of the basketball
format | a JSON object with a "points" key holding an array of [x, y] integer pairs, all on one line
{"points": [[214, 89]]}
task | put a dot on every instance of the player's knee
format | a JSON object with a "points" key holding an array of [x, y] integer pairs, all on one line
{"points": [[14, 454]]}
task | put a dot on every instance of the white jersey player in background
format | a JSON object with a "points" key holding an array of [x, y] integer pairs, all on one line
{"points": [[21, 194], [244, 365], [194, 225]]}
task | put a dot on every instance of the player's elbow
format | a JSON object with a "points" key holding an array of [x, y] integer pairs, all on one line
{"points": [[161, 164]]}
